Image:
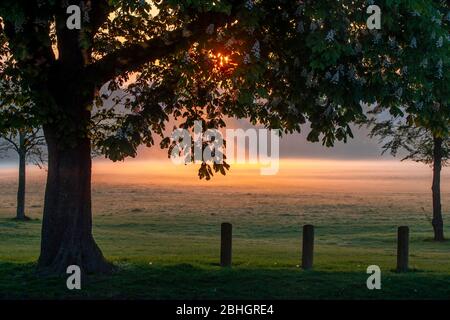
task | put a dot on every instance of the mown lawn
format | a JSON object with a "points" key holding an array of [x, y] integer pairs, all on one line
{"points": [[160, 259], [165, 240]]}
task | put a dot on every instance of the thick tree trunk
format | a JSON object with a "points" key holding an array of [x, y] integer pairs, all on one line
{"points": [[20, 214], [67, 223], [437, 222]]}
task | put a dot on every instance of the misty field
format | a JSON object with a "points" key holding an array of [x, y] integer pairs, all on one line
{"points": [[163, 233]]}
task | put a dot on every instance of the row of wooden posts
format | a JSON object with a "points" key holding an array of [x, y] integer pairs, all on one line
{"points": [[308, 247]]}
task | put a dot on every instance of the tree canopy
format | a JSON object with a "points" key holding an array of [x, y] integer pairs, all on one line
{"points": [[293, 62]]}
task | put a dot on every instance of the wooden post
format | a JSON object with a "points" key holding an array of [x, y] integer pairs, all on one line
{"points": [[402, 249], [308, 247], [225, 244]]}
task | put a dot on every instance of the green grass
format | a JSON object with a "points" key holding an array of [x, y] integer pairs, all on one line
{"points": [[179, 264], [165, 250], [138, 280]]}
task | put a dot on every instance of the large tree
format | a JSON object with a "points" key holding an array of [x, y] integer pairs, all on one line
{"points": [[290, 62], [420, 145], [61, 70]]}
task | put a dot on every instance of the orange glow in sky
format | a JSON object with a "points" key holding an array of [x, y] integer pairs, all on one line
{"points": [[308, 175]]}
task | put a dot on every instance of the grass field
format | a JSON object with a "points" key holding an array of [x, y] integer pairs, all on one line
{"points": [[163, 234]]}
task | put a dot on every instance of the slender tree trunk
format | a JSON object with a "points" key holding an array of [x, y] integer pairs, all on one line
{"points": [[437, 222], [20, 214], [67, 222]]}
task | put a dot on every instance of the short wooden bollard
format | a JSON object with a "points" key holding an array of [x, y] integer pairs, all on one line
{"points": [[226, 244], [308, 247], [402, 249]]}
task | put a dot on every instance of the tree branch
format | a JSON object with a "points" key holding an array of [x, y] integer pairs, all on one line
{"points": [[32, 35], [100, 9], [134, 56], [12, 143]]}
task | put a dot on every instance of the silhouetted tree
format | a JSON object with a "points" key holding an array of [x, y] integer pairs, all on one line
{"points": [[420, 145], [29, 146]]}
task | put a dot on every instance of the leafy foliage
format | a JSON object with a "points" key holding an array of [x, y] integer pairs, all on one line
{"points": [[410, 69], [410, 74], [291, 63], [415, 143]]}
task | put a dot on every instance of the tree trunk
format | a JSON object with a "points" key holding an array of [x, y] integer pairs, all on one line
{"points": [[20, 214], [67, 222], [437, 222]]}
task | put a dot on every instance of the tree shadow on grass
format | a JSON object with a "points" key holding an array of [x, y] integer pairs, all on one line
{"points": [[185, 281], [15, 223]]}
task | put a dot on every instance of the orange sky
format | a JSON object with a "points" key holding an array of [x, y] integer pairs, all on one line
{"points": [[308, 174], [311, 174], [292, 173]]}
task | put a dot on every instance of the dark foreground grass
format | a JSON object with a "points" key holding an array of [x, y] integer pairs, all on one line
{"points": [[135, 280]]}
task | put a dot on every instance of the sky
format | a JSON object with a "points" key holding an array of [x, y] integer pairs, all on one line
{"points": [[361, 147], [356, 166]]}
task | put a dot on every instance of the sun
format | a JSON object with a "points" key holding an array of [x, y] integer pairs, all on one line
{"points": [[222, 62]]}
